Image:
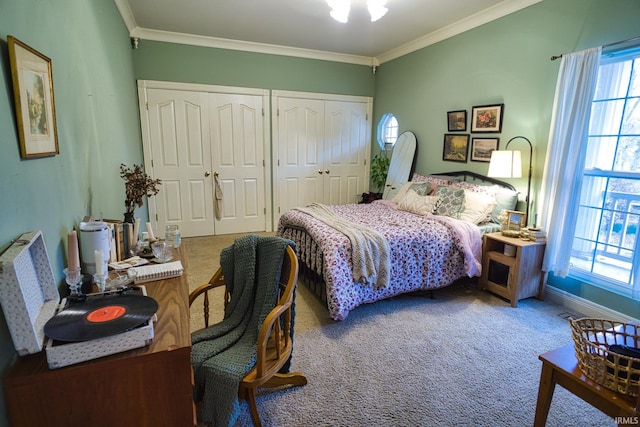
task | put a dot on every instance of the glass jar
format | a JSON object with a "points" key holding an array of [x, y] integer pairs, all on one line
{"points": [[172, 235]]}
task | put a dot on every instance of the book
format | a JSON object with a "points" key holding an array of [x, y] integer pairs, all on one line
{"points": [[118, 239], [148, 273]]}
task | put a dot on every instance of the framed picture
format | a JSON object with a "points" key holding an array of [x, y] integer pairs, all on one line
{"points": [[456, 147], [487, 118], [516, 220], [481, 148], [33, 95], [457, 121]]}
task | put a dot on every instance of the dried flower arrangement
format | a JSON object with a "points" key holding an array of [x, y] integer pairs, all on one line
{"points": [[137, 184]]}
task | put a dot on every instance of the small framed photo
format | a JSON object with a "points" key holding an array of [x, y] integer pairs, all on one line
{"points": [[457, 121], [33, 95], [456, 147], [481, 148], [487, 118], [516, 220]]}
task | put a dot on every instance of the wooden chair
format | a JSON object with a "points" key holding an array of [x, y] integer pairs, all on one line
{"points": [[274, 340]]}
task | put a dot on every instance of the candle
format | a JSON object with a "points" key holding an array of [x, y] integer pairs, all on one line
{"points": [[136, 230], [99, 262], [72, 254], [152, 237], [130, 235]]}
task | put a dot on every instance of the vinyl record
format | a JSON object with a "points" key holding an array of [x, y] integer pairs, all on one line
{"points": [[100, 317]]}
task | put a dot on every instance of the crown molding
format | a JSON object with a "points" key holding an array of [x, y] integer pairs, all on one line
{"points": [[500, 10], [189, 39], [504, 8]]}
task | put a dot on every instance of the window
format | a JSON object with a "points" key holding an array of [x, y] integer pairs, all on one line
{"points": [[606, 248], [387, 131]]}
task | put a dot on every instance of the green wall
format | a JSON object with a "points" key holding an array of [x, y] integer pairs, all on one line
{"points": [[505, 61], [196, 64], [95, 70], [98, 128]]}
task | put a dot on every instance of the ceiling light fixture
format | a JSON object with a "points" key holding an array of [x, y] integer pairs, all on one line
{"points": [[376, 9], [340, 9]]}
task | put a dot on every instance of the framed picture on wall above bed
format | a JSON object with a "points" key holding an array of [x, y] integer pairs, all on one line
{"points": [[33, 94], [487, 118], [457, 121], [481, 148], [456, 147]]}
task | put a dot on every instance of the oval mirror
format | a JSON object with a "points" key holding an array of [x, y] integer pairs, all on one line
{"points": [[402, 158]]}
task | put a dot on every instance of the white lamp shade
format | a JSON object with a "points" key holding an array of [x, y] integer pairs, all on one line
{"points": [[505, 164]]}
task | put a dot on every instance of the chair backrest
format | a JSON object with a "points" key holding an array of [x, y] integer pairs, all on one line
{"points": [[288, 276]]}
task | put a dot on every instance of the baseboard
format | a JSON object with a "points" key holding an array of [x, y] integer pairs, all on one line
{"points": [[583, 306]]}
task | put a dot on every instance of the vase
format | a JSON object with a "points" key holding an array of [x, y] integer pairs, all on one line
{"points": [[128, 218]]}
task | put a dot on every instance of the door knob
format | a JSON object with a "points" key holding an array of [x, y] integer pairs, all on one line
{"points": [[320, 171], [326, 171], [207, 173]]}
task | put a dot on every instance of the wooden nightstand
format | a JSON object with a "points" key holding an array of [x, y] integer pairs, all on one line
{"points": [[512, 277]]}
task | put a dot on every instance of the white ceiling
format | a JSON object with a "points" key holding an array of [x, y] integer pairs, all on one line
{"points": [[304, 28]]}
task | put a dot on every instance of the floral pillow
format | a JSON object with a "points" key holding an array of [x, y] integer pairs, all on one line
{"points": [[417, 204], [430, 178], [451, 201], [422, 188]]}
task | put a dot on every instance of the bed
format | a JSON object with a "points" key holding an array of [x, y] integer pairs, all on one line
{"points": [[425, 251]]}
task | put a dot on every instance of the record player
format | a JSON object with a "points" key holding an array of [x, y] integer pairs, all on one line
{"points": [[30, 298]]}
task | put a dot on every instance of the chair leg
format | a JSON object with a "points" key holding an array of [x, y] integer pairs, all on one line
{"points": [[250, 396], [293, 379]]}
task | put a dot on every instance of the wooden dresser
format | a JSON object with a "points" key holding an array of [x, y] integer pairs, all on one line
{"points": [[149, 386]]}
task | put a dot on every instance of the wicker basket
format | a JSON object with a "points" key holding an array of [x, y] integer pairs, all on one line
{"points": [[592, 339]]}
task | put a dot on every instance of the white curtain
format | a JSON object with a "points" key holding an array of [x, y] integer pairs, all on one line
{"points": [[564, 162]]}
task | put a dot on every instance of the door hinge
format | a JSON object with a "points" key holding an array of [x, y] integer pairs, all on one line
{"points": [[263, 112], [157, 218], [147, 105], [366, 117], [365, 162], [264, 163], [264, 210]]}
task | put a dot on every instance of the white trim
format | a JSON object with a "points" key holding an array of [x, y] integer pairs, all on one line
{"points": [[500, 10], [271, 49], [504, 8], [127, 15], [198, 87], [584, 306], [321, 96]]}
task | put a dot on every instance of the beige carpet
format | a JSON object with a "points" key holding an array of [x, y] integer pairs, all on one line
{"points": [[464, 358]]}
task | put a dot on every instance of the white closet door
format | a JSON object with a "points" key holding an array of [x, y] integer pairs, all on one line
{"points": [[178, 125], [237, 138], [300, 145], [345, 152]]}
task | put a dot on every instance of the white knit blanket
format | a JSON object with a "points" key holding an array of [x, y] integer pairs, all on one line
{"points": [[369, 249]]}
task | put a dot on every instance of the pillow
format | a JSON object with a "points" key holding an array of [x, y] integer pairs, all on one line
{"points": [[430, 178], [489, 190], [476, 207], [505, 200], [451, 201], [422, 188], [417, 204]]}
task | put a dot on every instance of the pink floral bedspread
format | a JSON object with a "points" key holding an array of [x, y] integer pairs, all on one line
{"points": [[426, 252]]}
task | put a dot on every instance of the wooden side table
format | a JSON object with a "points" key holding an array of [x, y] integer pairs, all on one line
{"points": [[512, 277], [560, 366]]}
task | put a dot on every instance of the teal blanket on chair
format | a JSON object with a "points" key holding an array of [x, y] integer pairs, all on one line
{"points": [[224, 353]]}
